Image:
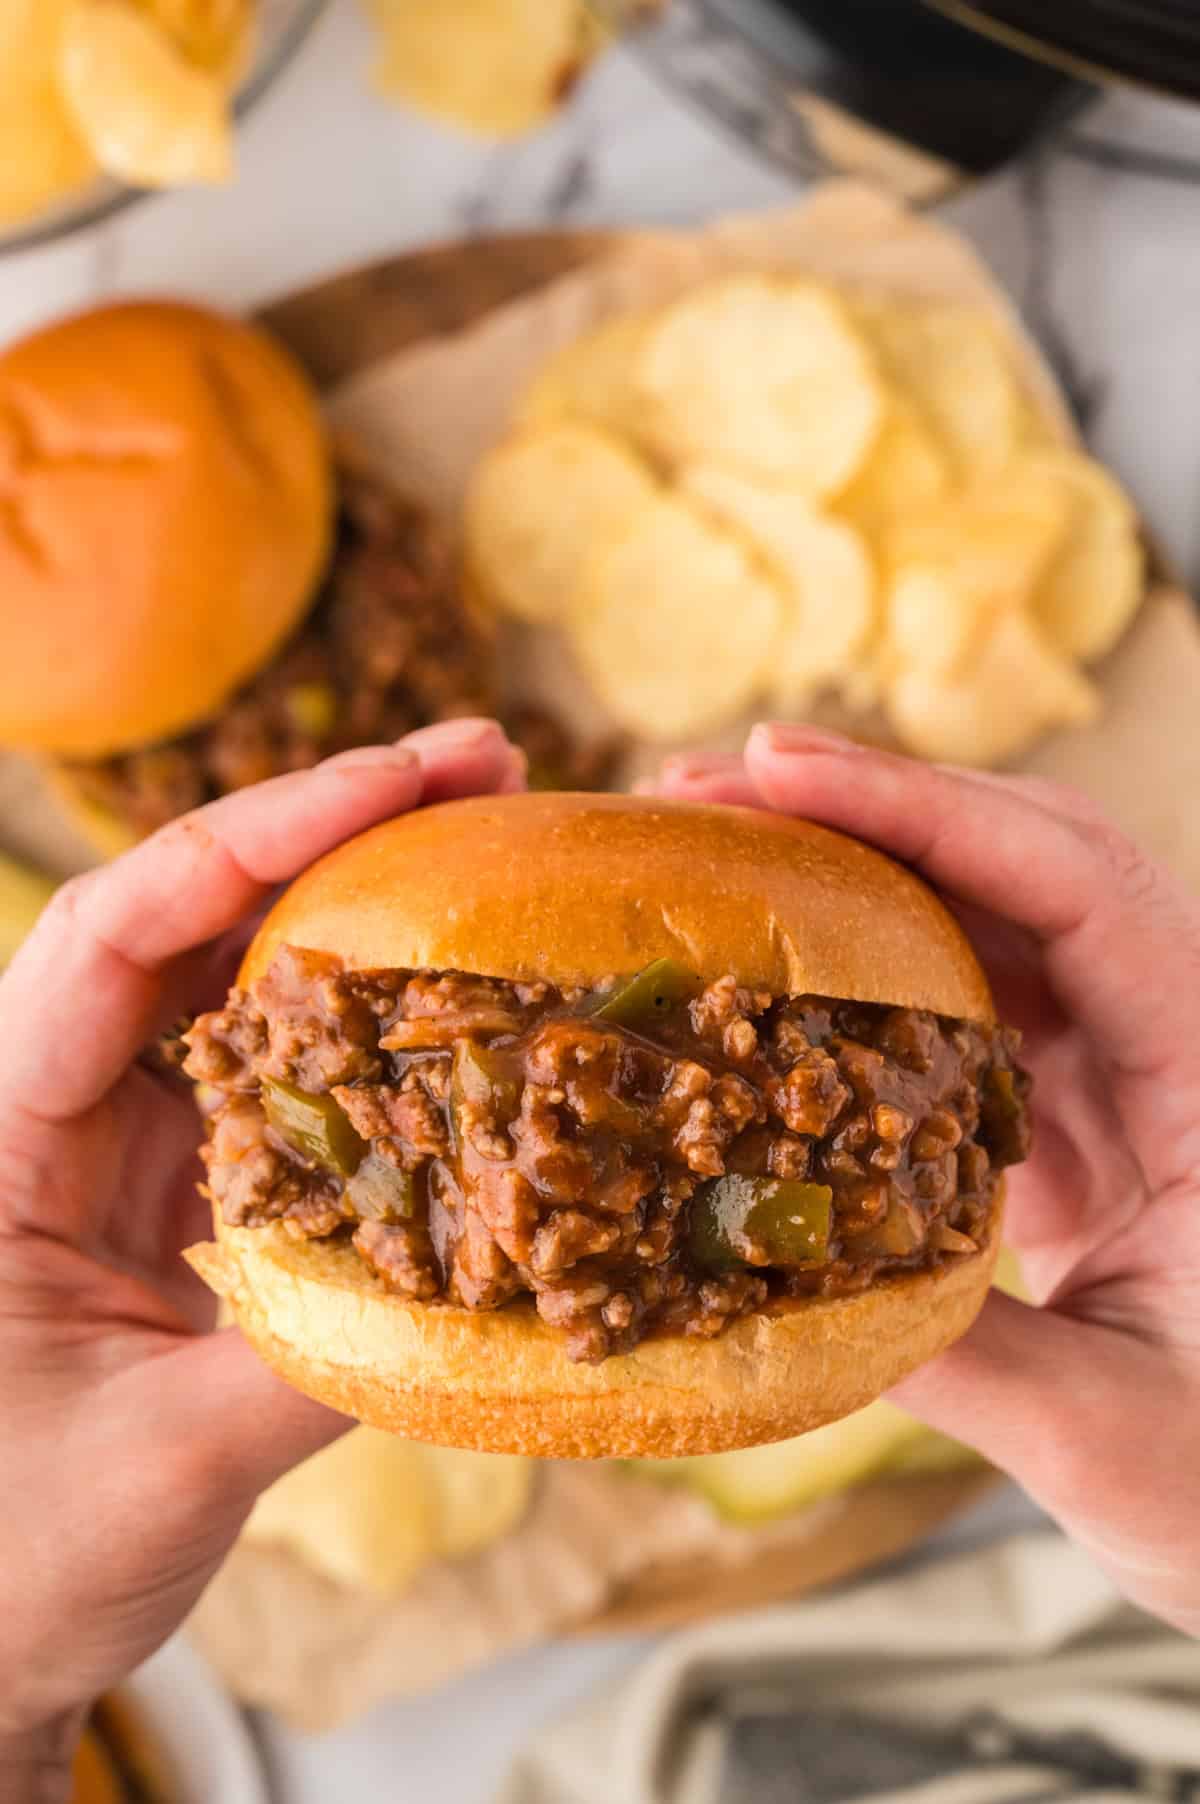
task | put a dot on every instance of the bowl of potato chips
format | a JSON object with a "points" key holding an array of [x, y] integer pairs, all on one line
{"points": [[776, 494], [102, 101]]}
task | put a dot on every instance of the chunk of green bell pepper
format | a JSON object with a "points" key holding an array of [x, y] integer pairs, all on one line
{"points": [[735, 1220], [648, 996], [315, 1126]]}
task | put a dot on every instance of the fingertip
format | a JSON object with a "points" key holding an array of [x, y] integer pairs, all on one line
{"points": [[705, 778], [397, 757], [392, 770], [466, 757], [515, 780], [792, 740], [465, 733]]}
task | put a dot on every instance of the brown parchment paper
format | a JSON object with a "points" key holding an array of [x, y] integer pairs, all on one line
{"points": [[597, 1546]]}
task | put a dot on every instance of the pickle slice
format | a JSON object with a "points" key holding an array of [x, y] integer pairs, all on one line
{"points": [[760, 1484]]}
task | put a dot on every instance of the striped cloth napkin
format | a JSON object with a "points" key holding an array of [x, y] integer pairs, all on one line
{"points": [[1011, 1675]]}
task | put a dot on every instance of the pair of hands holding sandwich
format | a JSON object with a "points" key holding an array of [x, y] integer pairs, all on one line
{"points": [[133, 1441]]}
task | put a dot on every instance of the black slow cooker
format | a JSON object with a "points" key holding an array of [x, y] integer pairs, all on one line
{"points": [[921, 95]]}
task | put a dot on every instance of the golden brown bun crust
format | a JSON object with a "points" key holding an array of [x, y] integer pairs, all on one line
{"points": [[168, 506], [575, 888], [501, 1382]]}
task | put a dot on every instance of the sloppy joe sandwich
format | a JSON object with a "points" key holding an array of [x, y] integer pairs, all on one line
{"points": [[200, 592], [584, 1125]]}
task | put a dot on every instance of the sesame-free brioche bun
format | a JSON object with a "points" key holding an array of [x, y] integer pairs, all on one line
{"points": [[168, 503], [576, 889]]}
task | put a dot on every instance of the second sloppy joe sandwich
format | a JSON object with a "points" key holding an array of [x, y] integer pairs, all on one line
{"points": [[582, 1125], [201, 591]]}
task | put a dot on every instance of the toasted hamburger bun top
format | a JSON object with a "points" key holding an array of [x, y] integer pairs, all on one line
{"points": [[168, 505], [576, 888]]}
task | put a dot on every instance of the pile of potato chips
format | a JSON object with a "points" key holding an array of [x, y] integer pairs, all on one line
{"points": [[140, 90], [773, 492]]}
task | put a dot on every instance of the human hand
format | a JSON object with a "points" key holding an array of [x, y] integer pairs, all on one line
{"points": [[1091, 1401], [132, 1441]]}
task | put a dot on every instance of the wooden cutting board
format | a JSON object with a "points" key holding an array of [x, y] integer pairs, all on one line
{"points": [[338, 328], [343, 325]]}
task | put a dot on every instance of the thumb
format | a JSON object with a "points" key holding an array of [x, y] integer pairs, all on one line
{"points": [[1075, 1410], [174, 1459], [247, 1425]]}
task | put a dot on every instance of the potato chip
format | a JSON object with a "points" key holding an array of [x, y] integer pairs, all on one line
{"points": [[43, 157], [476, 1497], [1015, 688], [150, 117], [995, 543], [949, 362], [372, 1509], [214, 34], [1098, 576], [591, 379], [1037, 430], [932, 622], [906, 470], [675, 627], [767, 377], [821, 565], [499, 67], [539, 505]]}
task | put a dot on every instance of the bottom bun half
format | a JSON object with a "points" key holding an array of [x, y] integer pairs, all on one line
{"points": [[500, 1381]]}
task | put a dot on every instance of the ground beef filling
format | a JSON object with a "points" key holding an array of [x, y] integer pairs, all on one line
{"points": [[388, 647], [653, 1157]]}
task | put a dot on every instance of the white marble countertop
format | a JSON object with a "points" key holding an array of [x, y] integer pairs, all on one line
{"points": [[1105, 258]]}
